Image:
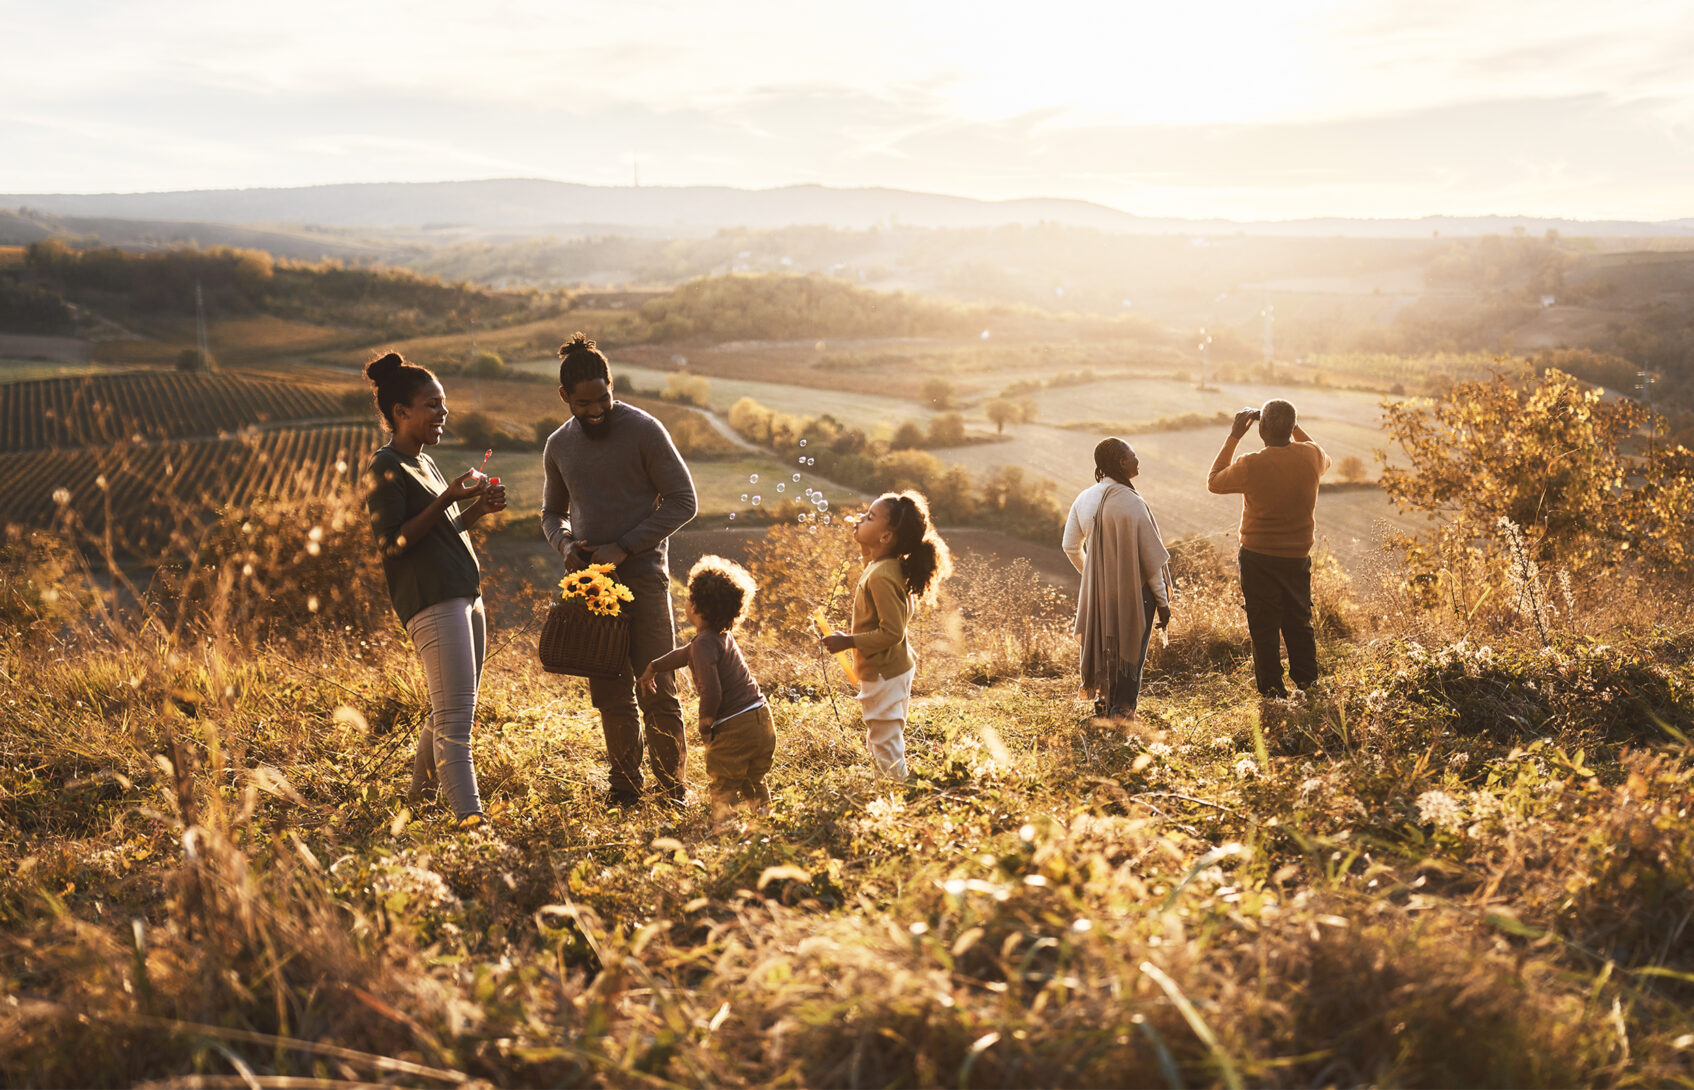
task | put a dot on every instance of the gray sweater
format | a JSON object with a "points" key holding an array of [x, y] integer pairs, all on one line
{"points": [[628, 487]]}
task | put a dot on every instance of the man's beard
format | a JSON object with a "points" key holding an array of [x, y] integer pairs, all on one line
{"points": [[597, 431]]}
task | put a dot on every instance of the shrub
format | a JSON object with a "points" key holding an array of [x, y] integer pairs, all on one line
{"points": [[908, 436], [946, 430], [689, 389]]}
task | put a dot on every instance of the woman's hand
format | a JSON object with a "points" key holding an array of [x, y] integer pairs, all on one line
{"points": [[1164, 615], [837, 642], [648, 682], [493, 499], [463, 487]]}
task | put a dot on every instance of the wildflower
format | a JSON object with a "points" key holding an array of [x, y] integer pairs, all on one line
{"points": [[1441, 810], [1483, 805], [1159, 749], [1246, 768]]}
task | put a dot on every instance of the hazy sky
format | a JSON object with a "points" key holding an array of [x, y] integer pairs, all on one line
{"points": [[1261, 109]]}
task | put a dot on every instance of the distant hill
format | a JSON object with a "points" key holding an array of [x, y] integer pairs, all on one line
{"points": [[532, 205]]}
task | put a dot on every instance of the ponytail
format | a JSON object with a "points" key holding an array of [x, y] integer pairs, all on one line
{"points": [[925, 560]]}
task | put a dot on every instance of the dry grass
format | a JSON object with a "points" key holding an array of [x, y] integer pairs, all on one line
{"points": [[1452, 864]]}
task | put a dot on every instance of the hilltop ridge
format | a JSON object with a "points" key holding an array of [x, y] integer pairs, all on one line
{"points": [[534, 204]]}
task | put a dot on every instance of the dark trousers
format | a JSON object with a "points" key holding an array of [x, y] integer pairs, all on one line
{"points": [[652, 632], [1126, 687], [1278, 593]]}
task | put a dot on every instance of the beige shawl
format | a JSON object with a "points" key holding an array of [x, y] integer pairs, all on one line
{"points": [[1124, 553]]}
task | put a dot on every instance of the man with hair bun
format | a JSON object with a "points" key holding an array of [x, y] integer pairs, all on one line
{"points": [[616, 489], [1279, 494]]}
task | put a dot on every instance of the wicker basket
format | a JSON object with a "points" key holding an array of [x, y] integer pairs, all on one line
{"points": [[583, 644]]}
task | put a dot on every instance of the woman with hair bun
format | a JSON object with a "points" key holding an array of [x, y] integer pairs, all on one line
{"points": [[420, 519], [1113, 540], [905, 563]]}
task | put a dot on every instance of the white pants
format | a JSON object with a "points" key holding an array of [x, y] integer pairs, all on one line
{"points": [[884, 704], [451, 638]]}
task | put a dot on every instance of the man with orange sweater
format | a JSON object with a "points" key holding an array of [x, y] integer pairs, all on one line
{"points": [[1279, 491]]}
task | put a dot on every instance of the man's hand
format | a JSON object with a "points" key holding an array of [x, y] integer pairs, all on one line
{"points": [[612, 554], [706, 728], [1164, 612], [1243, 420], [837, 642], [648, 682]]}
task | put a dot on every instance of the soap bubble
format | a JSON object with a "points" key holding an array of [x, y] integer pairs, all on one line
{"points": [[796, 476], [732, 514], [754, 479], [823, 505], [802, 518], [809, 492], [743, 497], [802, 442], [809, 461], [756, 501], [826, 520], [800, 460], [780, 486]]}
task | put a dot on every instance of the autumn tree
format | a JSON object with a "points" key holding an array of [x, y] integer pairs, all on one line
{"points": [[1002, 411], [938, 393], [946, 430], [1572, 468], [1351, 469]]}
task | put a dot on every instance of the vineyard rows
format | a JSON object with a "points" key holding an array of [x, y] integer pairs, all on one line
{"points": [[152, 490], [90, 410]]}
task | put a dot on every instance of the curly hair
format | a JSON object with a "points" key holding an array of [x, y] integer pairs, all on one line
{"points": [[925, 560], [721, 590]]}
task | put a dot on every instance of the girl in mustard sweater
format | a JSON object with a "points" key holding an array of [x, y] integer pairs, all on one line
{"points": [[905, 561]]}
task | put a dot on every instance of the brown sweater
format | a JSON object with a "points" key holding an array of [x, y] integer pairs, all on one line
{"points": [[720, 672], [881, 609], [1279, 492]]}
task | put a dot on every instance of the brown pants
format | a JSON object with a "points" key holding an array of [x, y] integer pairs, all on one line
{"points": [[652, 632], [738, 754]]}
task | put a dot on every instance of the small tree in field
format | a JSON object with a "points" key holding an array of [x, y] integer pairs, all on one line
{"points": [[947, 430], [1002, 411], [938, 393], [908, 436], [1572, 469], [1351, 469]]}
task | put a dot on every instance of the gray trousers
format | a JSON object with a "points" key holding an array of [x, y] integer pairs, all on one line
{"points": [[652, 632], [452, 639]]}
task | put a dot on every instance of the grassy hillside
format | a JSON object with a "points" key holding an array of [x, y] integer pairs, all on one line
{"points": [[1462, 860]]}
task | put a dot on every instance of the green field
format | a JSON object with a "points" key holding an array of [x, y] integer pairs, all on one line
{"points": [[1174, 463], [719, 484], [27, 370], [868, 411]]}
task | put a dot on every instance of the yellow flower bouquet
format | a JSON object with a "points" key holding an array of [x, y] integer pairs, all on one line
{"points": [[586, 633], [598, 591]]}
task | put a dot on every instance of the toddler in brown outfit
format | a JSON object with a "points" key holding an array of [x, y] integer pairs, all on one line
{"points": [[735, 721]]}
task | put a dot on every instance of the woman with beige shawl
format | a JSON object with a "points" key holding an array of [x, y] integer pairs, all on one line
{"points": [[1114, 542]]}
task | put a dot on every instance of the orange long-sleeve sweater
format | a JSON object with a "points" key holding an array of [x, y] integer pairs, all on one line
{"points": [[1279, 494]]}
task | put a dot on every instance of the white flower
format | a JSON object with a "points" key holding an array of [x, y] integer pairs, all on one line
{"points": [[1159, 749], [1441, 810], [1246, 768]]}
